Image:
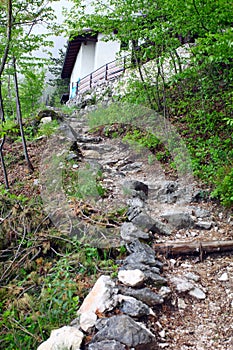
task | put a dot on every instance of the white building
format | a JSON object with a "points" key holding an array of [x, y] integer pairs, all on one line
{"points": [[86, 54]]}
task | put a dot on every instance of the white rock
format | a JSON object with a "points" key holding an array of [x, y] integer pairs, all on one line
{"points": [[91, 154], [164, 291], [163, 345], [182, 284], [162, 333], [204, 224], [197, 293], [224, 277], [173, 262], [63, 338], [191, 276], [102, 297], [181, 303], [87, 320], [132, 278], [46, 120]]}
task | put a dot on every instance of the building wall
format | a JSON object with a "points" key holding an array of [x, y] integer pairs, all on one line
{"points": [[92, 56], [105, 51], [84, 64]]}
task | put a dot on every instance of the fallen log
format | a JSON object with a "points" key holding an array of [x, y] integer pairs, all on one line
{"points": [[198, 247]]}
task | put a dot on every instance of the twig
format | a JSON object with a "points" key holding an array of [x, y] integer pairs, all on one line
{"points": [[62, 255], [16, 255], [6, 217], [24, 329]]}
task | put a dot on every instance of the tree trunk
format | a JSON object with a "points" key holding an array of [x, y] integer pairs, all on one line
{"points": [[194, 247], [20, 120], [2, 141], [2, 66], [138, 65]]}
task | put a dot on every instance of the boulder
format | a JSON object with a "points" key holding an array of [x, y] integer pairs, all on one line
{"points": [[145, 295], [132, 278], [129, 232], [178, 219], [102, 297], [124, 329], [106, 345], [133, 307], [66, 337]]}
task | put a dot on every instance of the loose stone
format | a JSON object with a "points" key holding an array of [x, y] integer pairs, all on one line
{"points": [[132, 278], [124, 329]]}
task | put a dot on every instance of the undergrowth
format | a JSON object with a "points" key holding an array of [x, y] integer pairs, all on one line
{"points": [[45, 275]]}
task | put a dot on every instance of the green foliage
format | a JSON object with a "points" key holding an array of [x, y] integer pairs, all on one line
{"points": [[147, 140], [47, 129], [8, 127], [60, 86], [224, 186], [83, 183]]}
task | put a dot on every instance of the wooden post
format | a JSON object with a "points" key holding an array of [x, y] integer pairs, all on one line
{"points": [[90, 80], [124, 64], [106, 72]]}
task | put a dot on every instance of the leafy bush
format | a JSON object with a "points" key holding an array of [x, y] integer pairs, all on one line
{"points": [[224, 186]]}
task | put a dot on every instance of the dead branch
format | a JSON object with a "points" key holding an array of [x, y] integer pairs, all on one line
{"points": [[193, 247]]}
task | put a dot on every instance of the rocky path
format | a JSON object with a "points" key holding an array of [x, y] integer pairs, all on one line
{"points": [[155, 302]]}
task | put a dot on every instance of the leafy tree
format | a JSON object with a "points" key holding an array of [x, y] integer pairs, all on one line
{"points": [[155, 29], [60, 85], [18, 17]]}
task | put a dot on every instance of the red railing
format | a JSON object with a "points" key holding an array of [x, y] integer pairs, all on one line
{"points": [[108, 71]]}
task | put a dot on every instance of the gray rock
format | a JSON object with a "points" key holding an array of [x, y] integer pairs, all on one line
{"points": [[165, 292], [192, 277], [135, 308], [68, 131], [133, 212], [181, 284], [135, 202], [178, 219], [142, 267], [138, 247], [46, 120], [106, 345], [197, 293], [129, 232], [142, 258], [135, 188], [224, 277], [124, 329], [72, 156], [157, 279], [145, 295], [141, 254], [206, 225], [167, 192], [145, 222], [201, 213], [89, 139], [131, 167]]}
